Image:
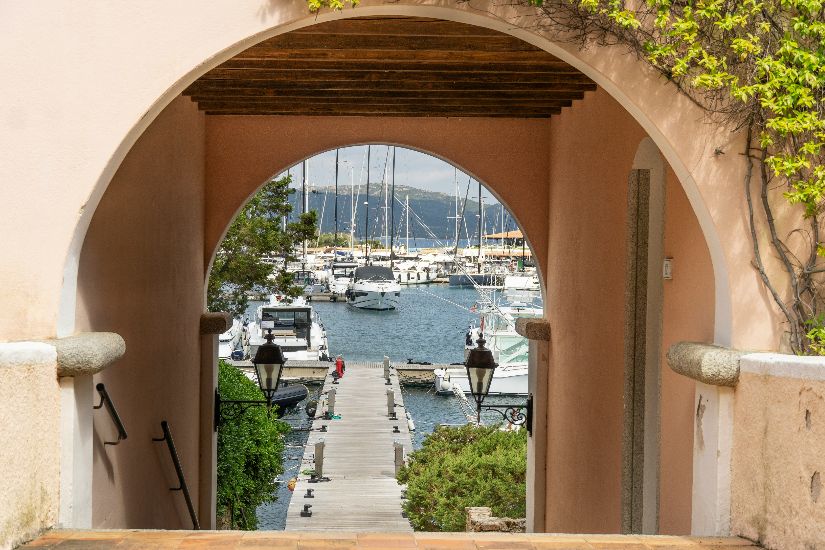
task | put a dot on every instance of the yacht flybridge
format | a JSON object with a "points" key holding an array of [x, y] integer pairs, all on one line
{"points": [[296, 328], [374, 287]]}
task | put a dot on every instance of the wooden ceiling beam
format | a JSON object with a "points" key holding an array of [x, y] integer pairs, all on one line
{"points": [[454, 66], [455, 114], [241, 94], [378, 55], [389, 103], [568, 82], [357, 107], [382, 76]]}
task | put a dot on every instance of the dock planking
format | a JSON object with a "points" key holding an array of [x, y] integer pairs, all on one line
{"points": [[359, 458]]}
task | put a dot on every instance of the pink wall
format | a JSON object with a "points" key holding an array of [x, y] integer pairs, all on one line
{"points": [[592, 148], [141, 276], [508, 155], [687, 316]]}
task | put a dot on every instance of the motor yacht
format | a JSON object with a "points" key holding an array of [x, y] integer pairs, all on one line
{"points": [[374, 287]]}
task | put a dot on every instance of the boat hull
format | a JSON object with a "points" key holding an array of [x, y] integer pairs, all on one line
{"points": [[376, 300], [473, 279], [511, 380]]}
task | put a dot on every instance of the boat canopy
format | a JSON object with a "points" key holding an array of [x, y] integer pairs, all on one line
{"points": [[374, 273]]}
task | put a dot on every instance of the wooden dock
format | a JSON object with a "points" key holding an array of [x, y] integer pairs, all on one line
{"points": [[360, 492]]}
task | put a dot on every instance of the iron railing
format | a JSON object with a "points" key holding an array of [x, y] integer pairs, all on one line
{"points": [[170, 444], [105, 399]]}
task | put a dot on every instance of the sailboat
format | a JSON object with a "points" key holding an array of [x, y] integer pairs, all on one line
{"points": [[375, 287]]}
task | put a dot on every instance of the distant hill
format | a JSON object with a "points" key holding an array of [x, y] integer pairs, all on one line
{"points": [[434, 209]]}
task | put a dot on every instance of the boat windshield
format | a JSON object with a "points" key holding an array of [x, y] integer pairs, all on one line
{"points": [[294, 320], [374, 273]]}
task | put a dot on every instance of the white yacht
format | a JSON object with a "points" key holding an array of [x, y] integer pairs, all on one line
{"points": [[229, 340], [296, 328], [374, 287], [510, 351], [411, 272], [340, 277]]}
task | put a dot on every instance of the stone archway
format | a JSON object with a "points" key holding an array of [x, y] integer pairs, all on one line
{"points": [[110, 124]]}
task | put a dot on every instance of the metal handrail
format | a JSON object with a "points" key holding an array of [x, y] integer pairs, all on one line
{"points": [[170, 444], [110, 406]]}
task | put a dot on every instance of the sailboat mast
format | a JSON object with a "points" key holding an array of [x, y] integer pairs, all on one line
{"points": [[480, 223], [335, 215], [392, 212], [367, 205], [455, 181], [352, 207], [407, 210], [304, 208]]}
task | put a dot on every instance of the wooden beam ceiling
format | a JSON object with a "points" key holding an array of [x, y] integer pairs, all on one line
{"points": [[396, 66]]}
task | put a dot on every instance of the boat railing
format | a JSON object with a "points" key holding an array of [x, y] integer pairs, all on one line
{"points": [[105, 399], [170, 444]]}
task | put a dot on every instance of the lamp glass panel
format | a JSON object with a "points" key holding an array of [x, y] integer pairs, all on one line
{"points": [[480, 379], [268, 375]]}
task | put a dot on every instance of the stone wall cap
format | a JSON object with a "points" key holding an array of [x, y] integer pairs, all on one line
{"points": [[87, 353], [706, 363], [533, 329], [784, 365], [215, 322]]}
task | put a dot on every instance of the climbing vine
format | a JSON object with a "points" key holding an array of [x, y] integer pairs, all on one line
{"points": [[759, 66]]}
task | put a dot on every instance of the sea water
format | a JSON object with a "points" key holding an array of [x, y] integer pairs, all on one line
{"points": [[428, 326]]}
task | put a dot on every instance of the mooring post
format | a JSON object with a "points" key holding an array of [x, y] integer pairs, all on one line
{"points": [[391, 404], [319, 458], [331, 403], [387, 368], [399, 455]]}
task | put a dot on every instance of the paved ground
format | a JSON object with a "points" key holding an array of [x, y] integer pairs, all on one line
{"points": [[260, 540]]}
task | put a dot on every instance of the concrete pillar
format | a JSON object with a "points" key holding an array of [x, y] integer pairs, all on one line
{"points": [[386, 367], [712, 446], [208, 448], [76, 451], [79, 358], [538, 332], [212, 324]]}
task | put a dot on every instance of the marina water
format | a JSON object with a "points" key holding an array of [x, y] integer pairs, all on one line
{"points": [[429, 326]]}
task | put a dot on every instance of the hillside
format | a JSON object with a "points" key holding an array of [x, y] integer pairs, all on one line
{"points": [[433, 208]]}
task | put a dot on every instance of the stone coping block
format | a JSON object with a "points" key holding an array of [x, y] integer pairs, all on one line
{"points": [[706, 363], [215, 322], [87, 352], [533, 329], [784, 365], [480, 519]]}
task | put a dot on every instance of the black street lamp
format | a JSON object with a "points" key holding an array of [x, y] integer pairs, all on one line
{"points": [[481, 366], [269, 364]]}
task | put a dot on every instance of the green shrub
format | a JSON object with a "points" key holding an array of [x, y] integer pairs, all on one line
{"points": [[250, 450], [466, 466]]}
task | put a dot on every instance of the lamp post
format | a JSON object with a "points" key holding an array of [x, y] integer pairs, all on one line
{"points": [[481, 366], [269, 363]]}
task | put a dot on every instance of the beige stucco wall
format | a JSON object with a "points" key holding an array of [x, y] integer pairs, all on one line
{"points": [[779, 452], [30, 449], [507, 155], [141, 275], [89, 105], [592, 151]]}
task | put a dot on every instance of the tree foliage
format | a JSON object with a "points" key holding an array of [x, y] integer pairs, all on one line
{"points": [[256, 232], [758, 65], [250, 451], [466, 466]]}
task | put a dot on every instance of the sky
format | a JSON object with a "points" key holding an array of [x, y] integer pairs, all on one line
{"points": [[412, 168]]}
